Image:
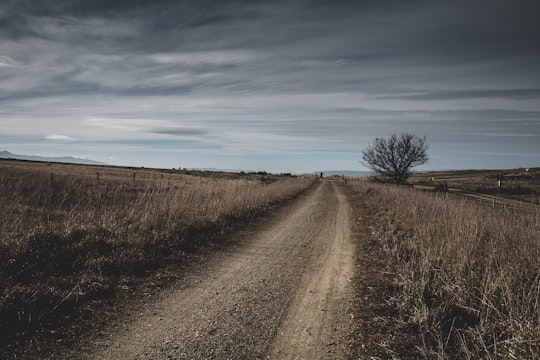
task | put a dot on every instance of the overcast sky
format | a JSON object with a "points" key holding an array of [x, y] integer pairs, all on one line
{"points": [[282, 86]]}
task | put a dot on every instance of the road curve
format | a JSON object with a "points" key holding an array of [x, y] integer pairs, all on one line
{"points": [[283, 292]]}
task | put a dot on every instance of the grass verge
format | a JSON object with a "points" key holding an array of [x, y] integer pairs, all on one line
{"points": [[456, 279]]}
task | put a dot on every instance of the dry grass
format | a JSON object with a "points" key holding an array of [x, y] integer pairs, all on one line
{"points": [[518, 184], [468, 275], [70, 233]]}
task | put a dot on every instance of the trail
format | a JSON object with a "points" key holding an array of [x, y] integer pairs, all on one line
{"points": [[283, 292]]}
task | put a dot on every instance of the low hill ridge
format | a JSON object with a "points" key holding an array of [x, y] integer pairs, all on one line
{"points": [[62, 159]]}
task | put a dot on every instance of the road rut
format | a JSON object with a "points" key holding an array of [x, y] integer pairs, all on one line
{"points": [[283, 292]]}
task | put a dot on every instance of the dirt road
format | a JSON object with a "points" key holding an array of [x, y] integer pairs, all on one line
{"points": [[283, 292]]}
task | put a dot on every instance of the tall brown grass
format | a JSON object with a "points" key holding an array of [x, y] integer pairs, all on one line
{"points": [[70, 234], [469, 275]]}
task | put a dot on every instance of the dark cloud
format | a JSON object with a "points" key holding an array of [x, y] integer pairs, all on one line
{"points": [[178, 131], [85, 7], [518, 94], [316, 72]]}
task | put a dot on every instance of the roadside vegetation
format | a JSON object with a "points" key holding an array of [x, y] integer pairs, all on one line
{"points": [[462, 278], [72, 234]]}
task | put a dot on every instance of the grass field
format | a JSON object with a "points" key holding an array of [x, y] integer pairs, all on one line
{"points": [[70, 234], [465, 274], [519, 187], [461, 269]]}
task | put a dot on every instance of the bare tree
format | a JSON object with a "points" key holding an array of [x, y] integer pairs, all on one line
{"points": [[394, 157]]}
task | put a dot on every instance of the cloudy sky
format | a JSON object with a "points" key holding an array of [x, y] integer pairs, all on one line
{"points": [[282, 86]]}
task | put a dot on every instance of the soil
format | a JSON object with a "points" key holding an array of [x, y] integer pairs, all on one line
{"points": [[281, 290]]}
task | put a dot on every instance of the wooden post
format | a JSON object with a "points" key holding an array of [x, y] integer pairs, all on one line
{"points": [[499, 181], [97, 176]]}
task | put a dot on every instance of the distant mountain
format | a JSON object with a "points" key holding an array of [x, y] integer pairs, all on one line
{"points": [[347, 173], [214, 170], [63, 159]]}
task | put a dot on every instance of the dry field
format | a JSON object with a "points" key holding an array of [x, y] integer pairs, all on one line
{"points": [[520, 188], [71, 235], [457, 279], [438, 276]]}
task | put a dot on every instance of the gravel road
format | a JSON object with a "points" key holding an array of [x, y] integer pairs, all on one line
{"points": [[282, 292]]}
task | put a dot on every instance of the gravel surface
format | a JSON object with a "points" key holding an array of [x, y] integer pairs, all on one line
{"points": [[282, 292]]}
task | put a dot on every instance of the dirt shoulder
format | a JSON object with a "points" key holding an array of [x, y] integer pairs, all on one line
{"points": [[379, 332]]}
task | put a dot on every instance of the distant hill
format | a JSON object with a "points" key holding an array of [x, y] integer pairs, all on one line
{"points": [[352, 173], [63, 159]]}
